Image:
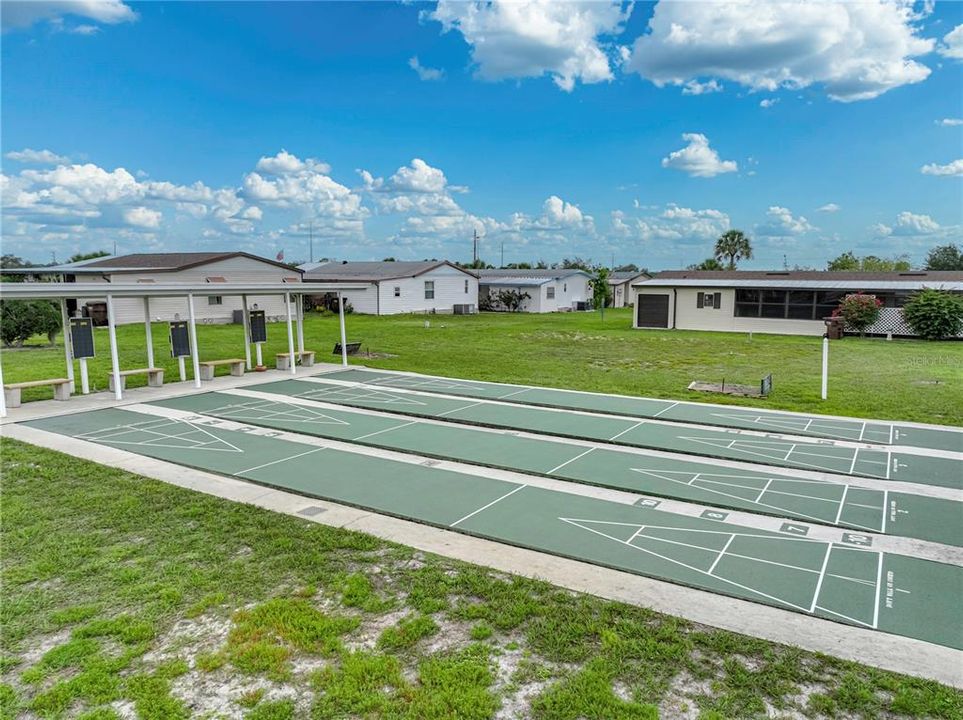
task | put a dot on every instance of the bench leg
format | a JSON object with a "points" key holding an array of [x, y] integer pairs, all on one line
{"points": [[207, 372], [237, 369], [307, 360], [110, 382], [62, 392], [12, 397], [155, 379], [282, 363]]}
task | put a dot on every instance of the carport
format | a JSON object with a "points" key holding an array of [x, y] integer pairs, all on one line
{"points": [[293, 294]]}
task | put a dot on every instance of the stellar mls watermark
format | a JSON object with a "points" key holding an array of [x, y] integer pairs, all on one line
{"points": [[937, 360]]}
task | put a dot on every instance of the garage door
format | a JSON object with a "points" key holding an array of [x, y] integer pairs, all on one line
{"points": [[653, 311]]}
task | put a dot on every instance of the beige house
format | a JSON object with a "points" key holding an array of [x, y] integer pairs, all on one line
{"points": [[620, 283], [780, 302], [209, 268]]}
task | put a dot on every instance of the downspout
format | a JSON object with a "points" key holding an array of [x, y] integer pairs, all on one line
{"points": [[675, 305]]}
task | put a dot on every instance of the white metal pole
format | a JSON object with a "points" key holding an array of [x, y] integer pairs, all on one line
{"points": [[344, 342], [825, 366], [68, 344], [3, 397], [182, 368], [84, 379], [258, 358], [300, 307], [291, 357], [114, 360], [192, 327], [247, 332], [147, 332]]}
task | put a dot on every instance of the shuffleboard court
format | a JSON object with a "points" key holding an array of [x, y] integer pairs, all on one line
{"points": [[766, 492], [816, 455], [891, 593], [852, 429]]}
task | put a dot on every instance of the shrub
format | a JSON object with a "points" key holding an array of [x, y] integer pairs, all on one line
{"points": [[510, 300], [20, 320], [858, 310], [934, 314]]}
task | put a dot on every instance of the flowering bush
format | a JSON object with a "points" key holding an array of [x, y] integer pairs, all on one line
{"points": [[859, 311]]}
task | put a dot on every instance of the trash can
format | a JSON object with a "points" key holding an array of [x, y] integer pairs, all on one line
{"points": [[834, 327], [97, 311]]}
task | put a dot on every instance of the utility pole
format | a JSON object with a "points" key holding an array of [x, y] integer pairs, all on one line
{"points": [[311, 233], [474, 247], [503, 254]]}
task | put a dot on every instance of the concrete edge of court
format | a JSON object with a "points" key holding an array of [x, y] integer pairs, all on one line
{"points": [[734, 406], [888, 652]]}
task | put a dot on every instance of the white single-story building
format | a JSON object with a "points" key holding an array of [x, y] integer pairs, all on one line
{"points": [[782, 302], [210, 268], [550, 290], [393, 287], [620, 283]]}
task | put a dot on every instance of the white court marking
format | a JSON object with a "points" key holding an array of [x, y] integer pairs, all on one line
{"points": [[109, 436], [640, 529]]}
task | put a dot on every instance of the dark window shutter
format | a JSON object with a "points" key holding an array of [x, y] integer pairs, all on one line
{"points": [[717, 300], [700, 300]]}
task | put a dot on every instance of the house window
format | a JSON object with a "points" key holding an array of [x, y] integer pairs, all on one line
{"points": [[708, 301], [429, 290], [215, 300], [466, 287], [564, 287], [550, 292], [783, 304], [397, 291]]}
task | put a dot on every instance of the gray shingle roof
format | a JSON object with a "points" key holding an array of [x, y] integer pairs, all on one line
{"points": [[373, 271], [141, 262]]}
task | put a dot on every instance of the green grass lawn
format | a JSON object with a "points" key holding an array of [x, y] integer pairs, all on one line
{"points": [[126, 597], [869, 377]]}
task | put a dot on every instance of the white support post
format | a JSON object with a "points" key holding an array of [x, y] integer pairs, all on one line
{"points": [[68, 344], [192, 327], [3, 398], [291, 356], [245, 321], [344, 342], [181, 366], [84, 378], [825, 387], [147, 332], [300, 306], [258, 358], [114, 359]]}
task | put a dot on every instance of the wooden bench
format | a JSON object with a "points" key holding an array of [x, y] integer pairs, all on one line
{"points": [[155, 377], [207, 367], [306, 357], [11, 391]]}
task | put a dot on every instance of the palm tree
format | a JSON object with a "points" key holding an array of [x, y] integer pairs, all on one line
{"points": [[733, 245]]}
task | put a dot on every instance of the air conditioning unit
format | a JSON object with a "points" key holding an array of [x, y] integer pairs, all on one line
{"points": [[464, 309]]}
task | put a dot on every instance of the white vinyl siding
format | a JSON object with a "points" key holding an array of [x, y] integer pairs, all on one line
{"points": [[404, 295], [233, 270]]}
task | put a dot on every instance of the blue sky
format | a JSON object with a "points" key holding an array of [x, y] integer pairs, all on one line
{"points": [[634, 132]]}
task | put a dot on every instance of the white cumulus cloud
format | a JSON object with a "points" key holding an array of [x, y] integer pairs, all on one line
{"points": [[531, 38], [142, 217], [37, 157], [829, 208], [698, 159], [856, 50], [952, 46], [951, 169], [25, 14], [950, 122], [780, 222], [425, 73]]}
